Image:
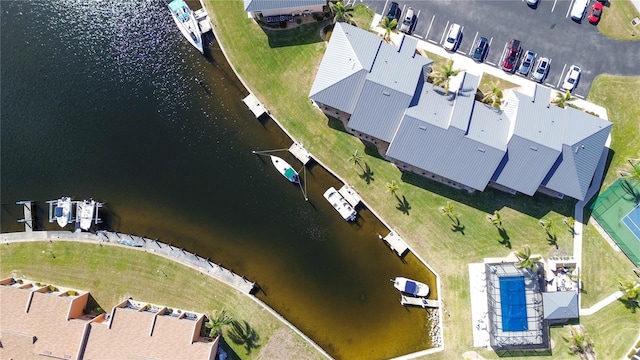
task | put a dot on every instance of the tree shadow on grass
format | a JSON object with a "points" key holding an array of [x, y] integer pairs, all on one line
{"points": [[506, 240], [632, 194], [299, 35], [456, 226], [631, 304], [403, 205], [244, 334], [552, 239], [336, 124], [367, 174]]}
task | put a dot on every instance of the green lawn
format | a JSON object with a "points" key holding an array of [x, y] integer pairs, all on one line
{"points": [[113, 273], [619, 94], [429, 233], [616, 21]]}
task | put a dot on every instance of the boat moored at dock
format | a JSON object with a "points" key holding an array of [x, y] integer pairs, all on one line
{"points": [[285, 169], [186, 21], [411, 287], [341, 205], [84, 213], [62, 211]]}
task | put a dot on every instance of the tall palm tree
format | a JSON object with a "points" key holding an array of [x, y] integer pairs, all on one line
{"points": [[442, 75], [548, 225], [215, 324], [580, 344], [562, 100], [388, 26], [392, 187], [356, 158], [571, 223], [525, 260], [449, 211], [634, 172], [341, 12], [631, 292], [496, 219], [494, 96]]}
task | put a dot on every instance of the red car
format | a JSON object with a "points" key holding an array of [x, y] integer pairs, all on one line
{"points": [[596, 12]]}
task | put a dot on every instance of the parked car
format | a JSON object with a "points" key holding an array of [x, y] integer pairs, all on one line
{"points": [[542, 69], [481, 49], [532, 3], [511, 56], [407, 23], [394, 11], [453, 37], [596, 12], [572, 78], [527, 62], [578, 9]]}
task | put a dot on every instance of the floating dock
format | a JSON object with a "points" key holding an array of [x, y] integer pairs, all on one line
{"points": [[298, 150], [28, 216], [350, 195], [418, 301], [254, 105], [395, 243]]}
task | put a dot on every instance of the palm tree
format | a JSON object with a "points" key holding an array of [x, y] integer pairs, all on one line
{"points": [[341, 12], [563, 99], [392, 187], [571, 223], [493, 97], [525, 260], [631, 293], [449, 211], [548, 225], [496, 219], [633, 173], [443, 74], [356, 158], [388, 26], [215, 324], [580, 344]]}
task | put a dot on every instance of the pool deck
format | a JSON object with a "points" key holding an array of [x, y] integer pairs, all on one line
{"points": [[479, 307]]}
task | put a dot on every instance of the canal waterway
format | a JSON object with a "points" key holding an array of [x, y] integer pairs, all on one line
{"points": [[105, 99]]}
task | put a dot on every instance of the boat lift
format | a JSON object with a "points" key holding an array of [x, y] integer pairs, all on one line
{"points": [[52, 205], [305, 158]]}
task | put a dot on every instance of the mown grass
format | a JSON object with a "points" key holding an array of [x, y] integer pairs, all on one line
{"points": [[362, 16], [113, 273], [429, 233], [616, 21], [619, 95]]}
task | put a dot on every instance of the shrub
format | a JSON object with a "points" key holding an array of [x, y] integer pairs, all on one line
{"points": [[72, 293], [52, 288], [299, 21], [19, 281]]}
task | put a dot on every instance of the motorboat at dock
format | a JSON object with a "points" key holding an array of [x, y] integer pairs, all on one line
{"points": [[411, 287], [341, 205]]}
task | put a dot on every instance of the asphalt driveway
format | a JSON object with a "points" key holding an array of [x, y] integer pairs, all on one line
{"points": [[547, 30]]}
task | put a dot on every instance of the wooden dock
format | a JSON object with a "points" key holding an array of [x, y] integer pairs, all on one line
{"points": [[350, 195], [298, 150], [418, 301], [28, 216], [395, 243], [254, 105]]}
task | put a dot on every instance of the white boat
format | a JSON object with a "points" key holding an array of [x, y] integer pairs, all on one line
{"points": [[411, 287], [187, 23], [62, 211], [84, 213], [285, 169], [340, 204]]}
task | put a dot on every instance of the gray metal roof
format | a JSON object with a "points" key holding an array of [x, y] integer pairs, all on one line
{"points": [[464, 100], [433, 106], [489, 126], [260, 5], [560, 305], [379, 110], [584, 140], [537, 121], [343, 95]]}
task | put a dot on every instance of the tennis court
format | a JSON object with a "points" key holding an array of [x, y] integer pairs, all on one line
{"points": [[514, 304], [617, 211]]}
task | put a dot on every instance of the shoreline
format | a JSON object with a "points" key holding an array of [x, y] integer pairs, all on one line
{"points": [[439, 345]]}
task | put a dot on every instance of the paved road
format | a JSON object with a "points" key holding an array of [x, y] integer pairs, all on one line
{"points": [[548, 30]]}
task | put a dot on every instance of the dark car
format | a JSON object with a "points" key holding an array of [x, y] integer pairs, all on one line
{"points": [[394, 11], [481, 49], [527, 62], [511, 56]]}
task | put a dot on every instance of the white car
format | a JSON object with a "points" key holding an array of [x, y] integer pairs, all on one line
{"points": [[453, 36], [571, 80]]}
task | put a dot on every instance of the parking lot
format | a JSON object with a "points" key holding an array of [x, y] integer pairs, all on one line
{"points": [[547, 30]]}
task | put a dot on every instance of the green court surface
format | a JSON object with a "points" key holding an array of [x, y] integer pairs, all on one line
{"points": [[615, 206]]}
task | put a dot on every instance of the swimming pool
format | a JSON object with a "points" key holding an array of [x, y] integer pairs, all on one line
{"points": [[513, 303]]}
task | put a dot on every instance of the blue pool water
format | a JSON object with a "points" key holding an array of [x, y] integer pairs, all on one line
{"points": [[513, 303]]}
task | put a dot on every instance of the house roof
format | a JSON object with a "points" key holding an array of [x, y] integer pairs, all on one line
{"points": [[560, 305], [261, 5]]}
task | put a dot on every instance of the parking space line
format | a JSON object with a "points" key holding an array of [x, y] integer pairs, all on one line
{"points": [[490, 63], [432, 41], [549, 84], [569, 9], [418, 36], [561, 75], [418, 15], [490, 41], [474, 41], [429, 29], [445, 32], [580, 96], [554, 5]]}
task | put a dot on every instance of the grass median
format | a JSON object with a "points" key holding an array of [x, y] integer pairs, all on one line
{"points": [[113, 273], [281, 75]]}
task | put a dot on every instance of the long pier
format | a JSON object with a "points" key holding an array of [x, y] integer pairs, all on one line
{"points": [[418, 301], [194, 261], [28, 215]]}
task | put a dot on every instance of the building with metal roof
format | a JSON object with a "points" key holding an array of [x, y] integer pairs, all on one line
{"points": [[560, 306], [381, 93], [283, 7]]}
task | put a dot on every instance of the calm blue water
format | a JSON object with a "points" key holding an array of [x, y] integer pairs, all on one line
{"points": [[104, 99]]}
